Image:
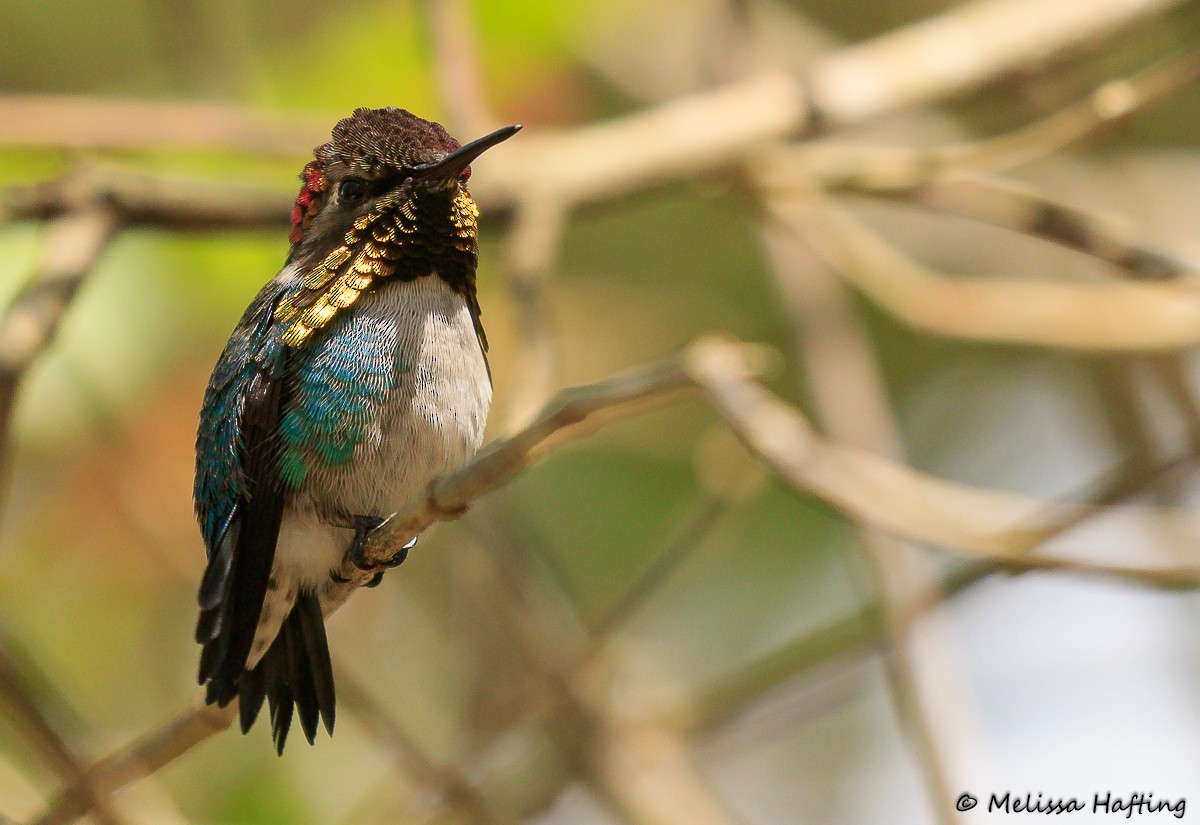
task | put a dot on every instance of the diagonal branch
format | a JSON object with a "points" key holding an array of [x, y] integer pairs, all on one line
{"points": [[1081, 316], [139, 759], [995, 526], [72, 246]]}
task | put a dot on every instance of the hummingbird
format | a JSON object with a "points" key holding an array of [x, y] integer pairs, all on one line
{"points": [[356, 376]]}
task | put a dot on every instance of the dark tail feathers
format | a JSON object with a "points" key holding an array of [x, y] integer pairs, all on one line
{"points": [[295, 674]]}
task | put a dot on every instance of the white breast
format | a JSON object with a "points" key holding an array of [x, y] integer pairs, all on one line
{"points": [[430, 424]]}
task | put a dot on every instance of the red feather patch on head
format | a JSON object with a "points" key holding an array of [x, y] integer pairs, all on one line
{"points": [[308, 202]]}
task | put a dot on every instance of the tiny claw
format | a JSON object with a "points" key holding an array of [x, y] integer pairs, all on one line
{"points": [[363, 525], [375, 580], [337, 577], [401, 554]]}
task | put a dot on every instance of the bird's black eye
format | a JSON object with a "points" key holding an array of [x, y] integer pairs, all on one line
{"points": [[352, 189]]}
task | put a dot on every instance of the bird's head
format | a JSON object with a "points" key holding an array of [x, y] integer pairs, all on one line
{"points": [[382, 160], [385, 197]]}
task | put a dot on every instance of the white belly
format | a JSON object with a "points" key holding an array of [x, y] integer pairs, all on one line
{"points": [[431, 422]]}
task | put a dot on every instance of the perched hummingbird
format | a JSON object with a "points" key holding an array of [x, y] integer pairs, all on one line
{"points": [[357, 375]]}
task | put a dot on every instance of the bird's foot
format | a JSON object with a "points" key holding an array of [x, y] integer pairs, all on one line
{"points": [[363, 526], [401, 554]]}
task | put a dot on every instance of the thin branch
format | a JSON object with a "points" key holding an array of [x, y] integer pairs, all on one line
{"points": [[26, 714], [151, 200], [859, 630], [1009, 205], [456, 61], [139, 759], [532, 251], [68, 122], [850, 403], [899, 500], [960, 50], [443, 785], [72, 246], [875, 169], [1083, 316]]}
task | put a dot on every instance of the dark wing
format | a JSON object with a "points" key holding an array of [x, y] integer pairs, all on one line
{"points": [[239, 499], [476, 312]]}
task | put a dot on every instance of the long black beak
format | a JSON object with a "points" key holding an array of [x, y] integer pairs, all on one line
{"points": [[450, 166]]}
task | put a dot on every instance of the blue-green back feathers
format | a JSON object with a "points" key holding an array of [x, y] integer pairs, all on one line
{"points": [[336, 391]]}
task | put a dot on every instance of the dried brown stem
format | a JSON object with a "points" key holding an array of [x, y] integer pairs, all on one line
{"points": [[89, 123], [26, 713], [456, 59], [139, 759], [151, 200], [532, 251], [1005, 204], [1082, 316], [850, 403], [876, 169]]}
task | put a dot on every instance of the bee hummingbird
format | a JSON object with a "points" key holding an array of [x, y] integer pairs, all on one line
{"points": [[356, 375]]}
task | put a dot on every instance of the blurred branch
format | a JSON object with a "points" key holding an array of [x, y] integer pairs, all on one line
{"points": [[859, 630], [49, 121], [875, 169], [1087, 316], [443, 786], [139, 759], [532, 249], [150, 200], [456, 66], [26, 714], [72, 245], [645, 770], [851, 406], [903, 502], [680, 138], [1023, 210], [961, 49]]}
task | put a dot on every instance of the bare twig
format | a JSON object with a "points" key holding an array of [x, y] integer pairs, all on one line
{"points": [[1086, 316], [1005, 204], [856, 631], [532, 249], [139, 759], [572, 414], [879, 169], [960, 50], [445, 786], [88, 123], [851, 405], [456, 59], [72, 246], [27, 715], [151, 200]]}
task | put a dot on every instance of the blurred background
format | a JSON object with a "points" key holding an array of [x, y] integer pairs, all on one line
{"points": [[648, 626]]}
